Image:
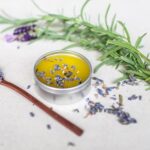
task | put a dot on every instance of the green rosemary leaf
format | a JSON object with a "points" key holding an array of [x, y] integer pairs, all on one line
{"points": [[127, 60], [113, 23], [148, 79], [139, 40], [4, 20], [106, 17], [109, 53], [126, 31], [19, 22], [82, 9], [140, 74], [132, 49], [138, 60], [40, 9], [147, 72], [147, 89]]}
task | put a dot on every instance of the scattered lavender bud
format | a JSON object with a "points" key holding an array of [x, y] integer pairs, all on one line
{"points": [[76, 110], [100, 92], [71, 144], [18, 47], [73, 67], [82, 94], [87, 99], [113, 98], [1, 75], [56, 67], [93, 110], [133, 97], [48, 126], [28, 87], [109, 89], [99, 106], [109, 110], [32, 114], [68, 74], [132, 78], [97, 79], [140, 97]]}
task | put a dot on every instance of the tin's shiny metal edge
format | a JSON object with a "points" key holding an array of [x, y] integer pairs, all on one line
{"points": [[61, 91]]}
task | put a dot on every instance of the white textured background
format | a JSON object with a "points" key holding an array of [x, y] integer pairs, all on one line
{"points": [[18, 131]]}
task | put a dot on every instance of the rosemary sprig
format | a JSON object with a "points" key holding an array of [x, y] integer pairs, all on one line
{"points": [[116, 48]]}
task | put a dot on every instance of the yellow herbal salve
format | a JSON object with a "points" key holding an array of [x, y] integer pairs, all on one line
{"points": [[62, 70]]}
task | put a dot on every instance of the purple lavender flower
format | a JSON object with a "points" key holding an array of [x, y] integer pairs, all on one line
{"points": [[10, 38], [23, 34], [26, 37], [24, 29]]}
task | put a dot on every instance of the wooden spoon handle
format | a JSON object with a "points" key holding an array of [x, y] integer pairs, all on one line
{"points": [[78, 131]]}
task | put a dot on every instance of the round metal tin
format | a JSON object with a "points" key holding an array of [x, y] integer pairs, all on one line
{"points": [[63, 91]]}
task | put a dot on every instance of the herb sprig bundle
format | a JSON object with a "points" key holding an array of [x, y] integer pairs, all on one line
{"points": [[116, 49]]}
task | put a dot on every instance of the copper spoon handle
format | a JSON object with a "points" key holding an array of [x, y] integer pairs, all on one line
{"points": [[78, 131]]}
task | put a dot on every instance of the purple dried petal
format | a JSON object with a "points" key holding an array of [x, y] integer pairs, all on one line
{"points": [[26, 37], [10, 38], [99, 106], [140, 97], [113, 98], [100, 92], [93, 110]]}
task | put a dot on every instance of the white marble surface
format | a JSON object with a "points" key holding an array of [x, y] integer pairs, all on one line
{"points": [[19, 131]]}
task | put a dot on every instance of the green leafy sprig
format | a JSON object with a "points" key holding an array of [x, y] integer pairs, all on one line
{"points": [[116, 49]]}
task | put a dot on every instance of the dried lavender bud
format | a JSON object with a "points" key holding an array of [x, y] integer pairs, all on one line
{"points": [[58, 78], [40, 74], [109, 110], [71, 144], [1, 75], [133, 97], [68, 74], [26, 37], [113, 98], [93, 110], [109, 89], [28, 87], [132, 78], [99, 106], [56, 67], [97, 79], [48, 126], [73, 67], [140, 97], [76, 110], [100, 92], [32, 114]]}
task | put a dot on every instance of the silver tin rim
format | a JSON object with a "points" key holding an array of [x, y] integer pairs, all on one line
{"points": [[61, 91]]}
